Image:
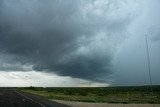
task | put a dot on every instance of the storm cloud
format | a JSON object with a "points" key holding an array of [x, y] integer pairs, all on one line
{"points": [[76, 38]]}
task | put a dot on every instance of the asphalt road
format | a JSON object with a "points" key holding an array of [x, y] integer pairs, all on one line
{"points": [[13, 98]]}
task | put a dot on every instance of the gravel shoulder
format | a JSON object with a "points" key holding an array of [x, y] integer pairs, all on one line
{"points": [[86, 104]]}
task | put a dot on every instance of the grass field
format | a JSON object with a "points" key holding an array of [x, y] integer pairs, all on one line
{"points": [[138, 94]]}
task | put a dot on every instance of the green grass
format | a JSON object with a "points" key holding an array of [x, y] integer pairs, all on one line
{"points": [[139, 94]]}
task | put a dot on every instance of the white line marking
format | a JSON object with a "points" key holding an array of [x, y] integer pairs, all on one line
{"points": [[30, 99]]}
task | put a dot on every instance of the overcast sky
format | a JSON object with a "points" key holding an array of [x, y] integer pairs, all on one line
{"points": [[78, 42]]}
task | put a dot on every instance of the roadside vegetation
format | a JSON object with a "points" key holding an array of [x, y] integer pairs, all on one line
{"points": [[138, 94]]}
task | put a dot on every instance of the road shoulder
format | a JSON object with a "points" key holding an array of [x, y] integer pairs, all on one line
{"points": [[87, 104]]}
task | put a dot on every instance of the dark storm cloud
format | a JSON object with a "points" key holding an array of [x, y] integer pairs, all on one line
{"points": [[71, 38]]}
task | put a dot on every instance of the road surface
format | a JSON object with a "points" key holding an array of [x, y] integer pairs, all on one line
{"points": [[13, 98]]}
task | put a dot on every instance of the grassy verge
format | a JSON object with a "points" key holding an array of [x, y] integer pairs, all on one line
{"points": [[105, 94]]}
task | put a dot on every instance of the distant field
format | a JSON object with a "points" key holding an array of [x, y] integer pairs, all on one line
{"points": [[139, 94]]}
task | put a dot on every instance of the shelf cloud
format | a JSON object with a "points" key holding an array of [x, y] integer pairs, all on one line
{"points": [[75, 38]]}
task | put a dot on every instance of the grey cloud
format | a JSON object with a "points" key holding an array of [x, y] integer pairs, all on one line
{"points": [[154, 32], [11, 63], [70, 38]]}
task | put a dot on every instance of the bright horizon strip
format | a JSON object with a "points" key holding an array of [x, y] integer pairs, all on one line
{"points": [[40, 79]]}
